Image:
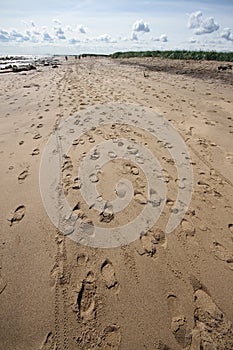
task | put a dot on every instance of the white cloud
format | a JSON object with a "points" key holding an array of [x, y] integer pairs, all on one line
{"points": [[25, 23], [124, 38], [106, 38], [192, 40], [59, 33], [141, 26], [35, 32], [163, 38], [57, 22], [72, 35], [74, 41], [81, 29], [134, 36], [202, 25], [194, 20], [47, 37], [14, 36], [227, 34], [69, 29], [207, 26], [34, 39], [18, 37], [4, 36]]}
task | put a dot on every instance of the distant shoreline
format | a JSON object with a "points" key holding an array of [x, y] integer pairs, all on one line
{"points": [[171, 54]]}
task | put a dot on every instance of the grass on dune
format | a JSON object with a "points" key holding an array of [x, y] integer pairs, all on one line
{"points": [[181, 54]]}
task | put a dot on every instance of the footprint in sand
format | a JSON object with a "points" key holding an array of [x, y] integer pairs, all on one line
{"points": [[126, 168], [149, 242], [75, 142], [91, 140], [82, 259], [172, 303], [230, 227], [108, 274], [17, 215], [49, 343], [181, 332], [90, 277], [139, 197], [22, 176], [210, 325], [77, 184], [37, 136], [93, 178], [86, 301], [35, 152], [223, 254], [188, 228], [54, 274], [111, 337], [148, 245], [107, 215], [3, 284], [179, 328], [196, 283], [67, 165]]}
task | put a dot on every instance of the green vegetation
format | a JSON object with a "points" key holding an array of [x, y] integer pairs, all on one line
{"points": [[181, 55], [93, 55]]}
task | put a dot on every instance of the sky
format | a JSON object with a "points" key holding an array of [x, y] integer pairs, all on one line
{"points": [[88, 26]]}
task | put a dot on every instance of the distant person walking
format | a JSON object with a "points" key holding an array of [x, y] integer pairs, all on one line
{"points": [[66, 58]]}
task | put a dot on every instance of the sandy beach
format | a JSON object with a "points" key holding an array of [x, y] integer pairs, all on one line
{"points": [[162, 291]]}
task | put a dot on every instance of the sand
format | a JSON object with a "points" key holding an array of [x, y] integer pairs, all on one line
{"points": [[162, 291]]}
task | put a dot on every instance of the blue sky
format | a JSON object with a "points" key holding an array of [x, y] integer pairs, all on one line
{"points": [[69, 26]]}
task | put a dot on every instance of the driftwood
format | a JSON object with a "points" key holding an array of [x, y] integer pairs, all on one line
{"points": [[224, 67], [16, 69]]}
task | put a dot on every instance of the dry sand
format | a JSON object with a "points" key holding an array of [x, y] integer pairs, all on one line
{"points": [[160, 292]]}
